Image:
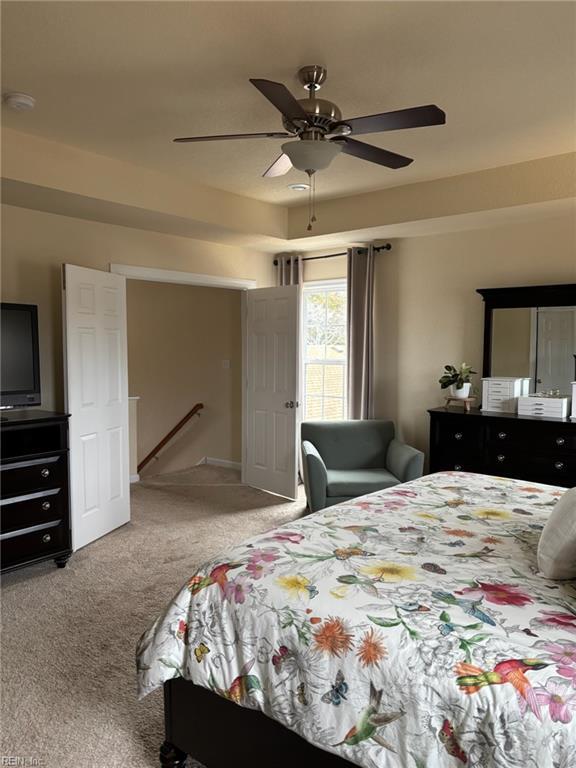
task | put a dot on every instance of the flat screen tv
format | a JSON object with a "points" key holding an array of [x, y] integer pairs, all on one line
{"points": [[20, 370]]}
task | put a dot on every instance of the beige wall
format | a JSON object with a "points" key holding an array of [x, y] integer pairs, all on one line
{"points": [[428, 313], [511, 186], [325, 269], [35, 244], [178, 339]]}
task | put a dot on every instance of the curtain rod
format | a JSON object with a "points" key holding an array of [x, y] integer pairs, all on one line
{"points": [[385, 247]]}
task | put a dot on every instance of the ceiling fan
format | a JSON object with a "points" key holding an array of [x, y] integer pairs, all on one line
{"points": [[319, 131], [319, 122]]}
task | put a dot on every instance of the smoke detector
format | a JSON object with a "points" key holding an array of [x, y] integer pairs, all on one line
{"points": [[20, 102]]}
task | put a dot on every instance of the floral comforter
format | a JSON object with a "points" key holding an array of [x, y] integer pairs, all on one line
{"points": [[407, 628]]}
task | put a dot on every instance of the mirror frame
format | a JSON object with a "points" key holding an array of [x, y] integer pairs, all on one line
{"points": [[562, 295]]}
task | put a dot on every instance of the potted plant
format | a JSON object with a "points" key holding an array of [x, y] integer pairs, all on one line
{"points": [[458, 379]]}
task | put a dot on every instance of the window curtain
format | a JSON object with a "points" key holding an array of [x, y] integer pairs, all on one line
{"points": [[360, 333], [289, 270]]}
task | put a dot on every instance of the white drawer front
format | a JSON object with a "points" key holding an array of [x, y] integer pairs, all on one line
{"points": [[555, 412], [543, 406]]}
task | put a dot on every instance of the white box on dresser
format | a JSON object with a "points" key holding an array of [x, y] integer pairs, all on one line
{"points": [[551, 407], [500, 393]]}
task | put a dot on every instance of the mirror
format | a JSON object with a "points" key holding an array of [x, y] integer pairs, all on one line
{"points": [[535, 342]]}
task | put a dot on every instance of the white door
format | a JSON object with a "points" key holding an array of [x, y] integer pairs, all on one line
{"points": [[96, 375], [271, 408], [556, 348]]}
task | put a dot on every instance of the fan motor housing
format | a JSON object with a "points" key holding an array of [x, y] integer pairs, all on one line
{"points": [[322, 116]]}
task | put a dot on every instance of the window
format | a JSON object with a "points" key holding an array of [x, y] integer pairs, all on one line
{"points": [[324, 350]]}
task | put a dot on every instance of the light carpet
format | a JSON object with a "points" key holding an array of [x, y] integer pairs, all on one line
{"points": [[68, 635]]}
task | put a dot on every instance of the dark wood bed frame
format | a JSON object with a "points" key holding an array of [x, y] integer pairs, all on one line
{"points": [[219, 734]]}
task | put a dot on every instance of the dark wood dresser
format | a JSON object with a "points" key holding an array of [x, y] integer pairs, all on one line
{"points": [[34, 498], [505, 444]]}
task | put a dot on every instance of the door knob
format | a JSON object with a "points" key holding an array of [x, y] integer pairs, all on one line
{"points": [[289, 403]]}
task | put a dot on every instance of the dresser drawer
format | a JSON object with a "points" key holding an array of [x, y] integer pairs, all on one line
{"points": [[458, 437], [31, 439], [554, 438], [20, 546], [455, 463], [19, 512], [34, 475], [547, 469]]}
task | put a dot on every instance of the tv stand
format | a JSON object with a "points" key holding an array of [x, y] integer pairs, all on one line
{"points": [[34, 498]]}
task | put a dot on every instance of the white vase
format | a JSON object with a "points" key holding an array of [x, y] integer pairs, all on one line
{"points": [[461, 393]]}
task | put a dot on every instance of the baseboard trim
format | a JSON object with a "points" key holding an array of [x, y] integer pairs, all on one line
{"points": [[219, 462], [134, 478]]}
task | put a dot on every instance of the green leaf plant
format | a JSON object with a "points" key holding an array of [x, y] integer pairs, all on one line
{"points": [[457, 376]]}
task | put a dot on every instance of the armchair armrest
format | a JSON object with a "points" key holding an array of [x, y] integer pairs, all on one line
{"points": [[405, 463], [315, 476]]}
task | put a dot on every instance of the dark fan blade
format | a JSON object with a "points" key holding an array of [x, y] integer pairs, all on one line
{"points": [[270, 135], [374, 154], [415, 117], [279, 167], [280, 96]]}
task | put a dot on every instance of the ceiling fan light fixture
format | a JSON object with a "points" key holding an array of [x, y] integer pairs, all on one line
{"points": [[310, 155]]}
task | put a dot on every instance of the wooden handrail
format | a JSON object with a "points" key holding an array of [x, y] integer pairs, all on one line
{"points": [[198, 407]]}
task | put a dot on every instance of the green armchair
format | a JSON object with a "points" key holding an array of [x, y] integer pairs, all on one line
{"points": [[345, 459]]}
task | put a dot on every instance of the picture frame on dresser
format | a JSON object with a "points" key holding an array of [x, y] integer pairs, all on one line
{"points": [[536, 448]]}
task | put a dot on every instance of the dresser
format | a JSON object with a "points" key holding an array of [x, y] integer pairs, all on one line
{"points": [[505, 444], [34, 497]]}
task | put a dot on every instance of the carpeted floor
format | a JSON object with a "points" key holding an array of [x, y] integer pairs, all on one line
{"points": [[68, 636]]}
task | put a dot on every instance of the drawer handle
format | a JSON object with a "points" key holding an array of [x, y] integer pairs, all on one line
{"points": [[46, 505], [458, 435], [558, 465], [502, 435], [45, 472], [457, 467], [560, 441], [46, 538], [501, 457]]}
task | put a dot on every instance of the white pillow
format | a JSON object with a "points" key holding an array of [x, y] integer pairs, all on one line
{"points": [[557, 545]]}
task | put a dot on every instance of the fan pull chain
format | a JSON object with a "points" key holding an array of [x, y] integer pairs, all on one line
{"points": [[313, 219], [310, 177], [311, 200]]}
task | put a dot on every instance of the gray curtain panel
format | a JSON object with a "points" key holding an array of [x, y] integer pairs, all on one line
{"points": [[289, 270], [360, 333]]}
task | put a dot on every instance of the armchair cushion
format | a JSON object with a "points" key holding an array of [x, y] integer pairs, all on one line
{"points": [[357, 482]]}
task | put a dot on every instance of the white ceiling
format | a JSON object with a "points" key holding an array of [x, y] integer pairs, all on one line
{"points": [[123, 78]]}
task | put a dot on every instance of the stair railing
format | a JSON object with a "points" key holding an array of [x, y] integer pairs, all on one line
{"points": [[165, 440]]}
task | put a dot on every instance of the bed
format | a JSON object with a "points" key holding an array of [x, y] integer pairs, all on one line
{"points": [[408, 628]]}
